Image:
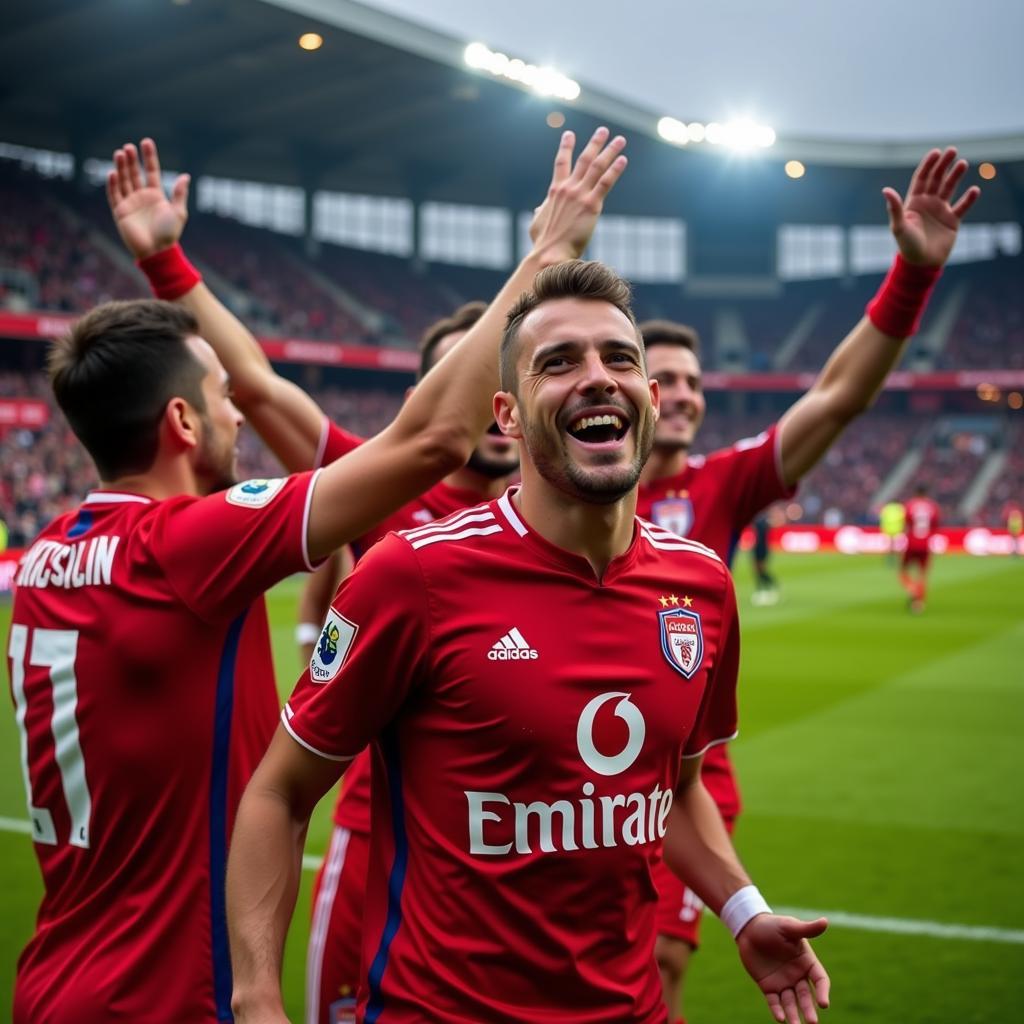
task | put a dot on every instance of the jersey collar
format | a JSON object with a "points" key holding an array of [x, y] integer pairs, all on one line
{"points": [[567, 560], [115, 498]]}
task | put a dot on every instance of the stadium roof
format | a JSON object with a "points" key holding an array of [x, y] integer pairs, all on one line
{"points": [[384, 106]]}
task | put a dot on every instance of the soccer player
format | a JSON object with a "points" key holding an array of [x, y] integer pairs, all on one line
{"points": [[712, 499], [335, 941], [538, 689], [892, 519], [139, 648], [922, 516]]}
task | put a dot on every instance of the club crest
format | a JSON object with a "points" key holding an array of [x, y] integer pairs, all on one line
{"points": [[675, 514], [682, 640]]}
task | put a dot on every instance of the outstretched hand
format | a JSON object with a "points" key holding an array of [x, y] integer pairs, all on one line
{"points": [[925, 226], [563, 223], [146, 219], [776, 954]]}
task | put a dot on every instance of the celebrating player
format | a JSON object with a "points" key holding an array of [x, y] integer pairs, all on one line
{"points": [[139, 648], [712, 499], [922, 520], [335, 941], [538, 683]]}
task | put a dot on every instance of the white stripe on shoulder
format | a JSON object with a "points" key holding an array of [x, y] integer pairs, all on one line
{"points": [[286, 715], [713, 743], [114, 498], [509, 511], [665, 540], [470, 531], [476, 514]]}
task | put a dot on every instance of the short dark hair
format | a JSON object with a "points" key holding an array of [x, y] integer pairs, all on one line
{"points": [[668, 332], [573, 279], [114, 373], [461, 320]]}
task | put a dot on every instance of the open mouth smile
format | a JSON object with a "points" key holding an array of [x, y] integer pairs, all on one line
{"points": [[599, 428]]}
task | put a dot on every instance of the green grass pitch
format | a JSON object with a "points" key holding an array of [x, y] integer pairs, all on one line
{"points": [[881, 757]]}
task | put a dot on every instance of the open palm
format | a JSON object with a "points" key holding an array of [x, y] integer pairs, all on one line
{"points": [[925, 226], [146, 218]]}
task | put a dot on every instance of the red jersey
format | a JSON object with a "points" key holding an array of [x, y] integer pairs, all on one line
{"points": [[712, 500], [527, 722], [922, 522], [144, 695], [352, 810]]}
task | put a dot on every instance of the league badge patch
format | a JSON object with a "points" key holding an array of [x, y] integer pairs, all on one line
{"points": [[682, 640], [332, 648], [675, 514], [254, 493]]}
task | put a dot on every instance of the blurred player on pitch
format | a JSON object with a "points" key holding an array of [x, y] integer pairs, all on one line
{"points": [[336, 926], [922, 520], [538, 687], [712, 498]]}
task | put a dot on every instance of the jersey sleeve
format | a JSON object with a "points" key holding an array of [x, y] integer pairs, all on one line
{"points": [[334, 442], [371, 654], [221, 552], [716, 717], [750, 472]]}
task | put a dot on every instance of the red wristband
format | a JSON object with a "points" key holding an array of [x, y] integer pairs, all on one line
{"points": [[899, 305], [169, 272]]}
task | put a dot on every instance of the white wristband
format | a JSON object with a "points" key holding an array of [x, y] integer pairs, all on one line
{"points": [[307, 633], [741, 906]]}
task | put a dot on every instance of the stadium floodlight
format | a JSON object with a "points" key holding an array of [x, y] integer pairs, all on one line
{"points": [[695, 130], [986, 171], [543, 80], [714, 133], [795, 169], [311, 41], [673, 131]]}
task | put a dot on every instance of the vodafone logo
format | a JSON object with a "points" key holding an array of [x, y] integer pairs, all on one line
{"points": [[600, 763]]}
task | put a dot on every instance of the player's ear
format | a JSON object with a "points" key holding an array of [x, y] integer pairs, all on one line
{"points": [[655, 397], [181, 424], [506, 414]]}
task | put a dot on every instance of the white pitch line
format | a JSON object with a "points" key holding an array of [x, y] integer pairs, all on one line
{"points": [[837, 918], [904, 926]]}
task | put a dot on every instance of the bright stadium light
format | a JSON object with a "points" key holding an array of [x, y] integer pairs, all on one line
{"points": [[795, 169], [695, 130], [673, 131], [311, 41], [542, 80], [986, 171]]}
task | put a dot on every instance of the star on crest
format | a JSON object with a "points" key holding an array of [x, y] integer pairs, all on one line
{"points": [[664, 601], [673, 600], [687, 602]]}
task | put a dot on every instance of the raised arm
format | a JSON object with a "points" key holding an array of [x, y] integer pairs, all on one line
{"points": [[150, 224], [925, 228], [441, 422]]}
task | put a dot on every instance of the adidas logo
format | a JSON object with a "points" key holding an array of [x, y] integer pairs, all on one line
{"points": [[512, 647]]}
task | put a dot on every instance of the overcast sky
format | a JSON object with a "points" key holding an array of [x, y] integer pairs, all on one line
{"points": [[901, 70]]}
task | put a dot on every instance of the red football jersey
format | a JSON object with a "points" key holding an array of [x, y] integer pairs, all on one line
{"points": [[922, 522], [527, 722], [712, 500], [352, 810], [144, 695]]}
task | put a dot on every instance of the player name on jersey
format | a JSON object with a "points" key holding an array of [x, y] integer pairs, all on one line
{"points": [[87, 563]]}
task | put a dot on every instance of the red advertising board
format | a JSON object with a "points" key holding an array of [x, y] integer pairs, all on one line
{"points": [[869, 540]]}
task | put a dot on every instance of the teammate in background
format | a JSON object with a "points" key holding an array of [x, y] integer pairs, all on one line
{"points": [[891, 520], [515, 820], [312, 600], [922, 521], [335, 942], [766, 587], [712, 499], [134, 758], [1013, 518]]}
